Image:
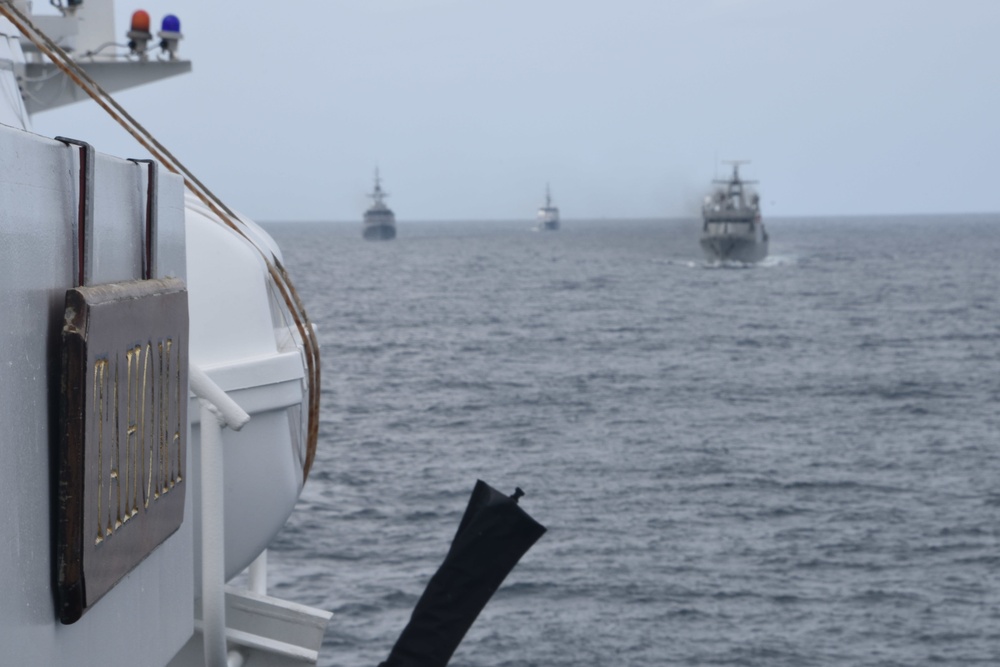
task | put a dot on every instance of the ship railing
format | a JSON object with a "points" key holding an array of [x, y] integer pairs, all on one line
{"points": [[218, 412], [237, 624]]}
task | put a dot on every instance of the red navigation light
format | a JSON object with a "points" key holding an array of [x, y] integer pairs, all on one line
{"points": [[138, 36], [140, 21]]}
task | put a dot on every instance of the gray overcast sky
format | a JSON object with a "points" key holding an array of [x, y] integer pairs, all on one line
{"points": [[470, 106]]}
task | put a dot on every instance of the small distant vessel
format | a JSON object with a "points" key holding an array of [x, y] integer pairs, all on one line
{"points": [[548, 215], [380, 221], [732, 229]]}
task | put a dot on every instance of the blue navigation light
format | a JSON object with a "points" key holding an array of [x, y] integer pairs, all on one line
{"points": [[170, 24]]}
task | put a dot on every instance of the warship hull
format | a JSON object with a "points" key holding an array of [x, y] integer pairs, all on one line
{"points": [[733, 248], [380, 232]]}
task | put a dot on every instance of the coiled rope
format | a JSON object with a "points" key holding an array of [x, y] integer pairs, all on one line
{"points": [[277, 272]]}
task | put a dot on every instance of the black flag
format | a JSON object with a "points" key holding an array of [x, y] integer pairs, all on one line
{"points": [[493, 535]]}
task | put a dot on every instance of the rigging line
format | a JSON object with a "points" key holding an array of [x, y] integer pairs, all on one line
{"points": [[313, 433], [296, 308], [97, 51]]}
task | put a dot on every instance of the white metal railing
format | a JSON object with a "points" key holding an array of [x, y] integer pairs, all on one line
{"points": [[218, 411]]}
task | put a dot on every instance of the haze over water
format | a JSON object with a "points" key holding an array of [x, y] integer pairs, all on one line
{"points": [[846, 107], [790, 464]]}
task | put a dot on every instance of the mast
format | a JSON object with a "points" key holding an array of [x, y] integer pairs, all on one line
{"points": [[735, 179], [378, 196], [734, 192]]}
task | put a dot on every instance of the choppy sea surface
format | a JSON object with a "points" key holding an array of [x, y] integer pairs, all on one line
{"points": [[791, 464]]}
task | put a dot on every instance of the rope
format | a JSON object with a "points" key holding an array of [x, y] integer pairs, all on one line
{"points": [[277, 272]]}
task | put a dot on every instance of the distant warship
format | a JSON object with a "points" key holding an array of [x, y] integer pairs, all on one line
{"points": [[380, 222], [548, 215], [732, 229]]}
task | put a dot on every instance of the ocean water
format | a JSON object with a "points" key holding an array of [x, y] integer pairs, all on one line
{"points": [[794, 464]]}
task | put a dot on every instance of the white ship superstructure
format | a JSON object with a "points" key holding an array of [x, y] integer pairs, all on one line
{"points": [[160, 381]]}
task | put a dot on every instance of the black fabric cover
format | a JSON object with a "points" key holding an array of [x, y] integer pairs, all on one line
{"points": [[493, 535]]}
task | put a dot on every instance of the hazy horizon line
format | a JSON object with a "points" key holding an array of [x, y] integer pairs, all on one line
{"points": [[675, 218]]}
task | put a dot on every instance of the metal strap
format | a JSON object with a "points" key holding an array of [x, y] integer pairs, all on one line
{"points": [[83, 240], [150, 225]]}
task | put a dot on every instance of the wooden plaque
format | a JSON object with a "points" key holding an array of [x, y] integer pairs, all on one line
{"points": [[124, 430]]}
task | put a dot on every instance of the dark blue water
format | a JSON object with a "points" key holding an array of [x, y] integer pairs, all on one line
{"points": [[792, 464]]}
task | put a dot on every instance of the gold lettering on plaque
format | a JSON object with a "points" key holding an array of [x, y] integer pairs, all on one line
{"points": [[147, 471], [116, 470], [161, 431], [100, 376], [151, 456], [131, 431], [176, 473]]}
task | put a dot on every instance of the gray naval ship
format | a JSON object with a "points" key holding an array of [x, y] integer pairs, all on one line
{"points": [[732, 229], [548, 215], [380, 222]]}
